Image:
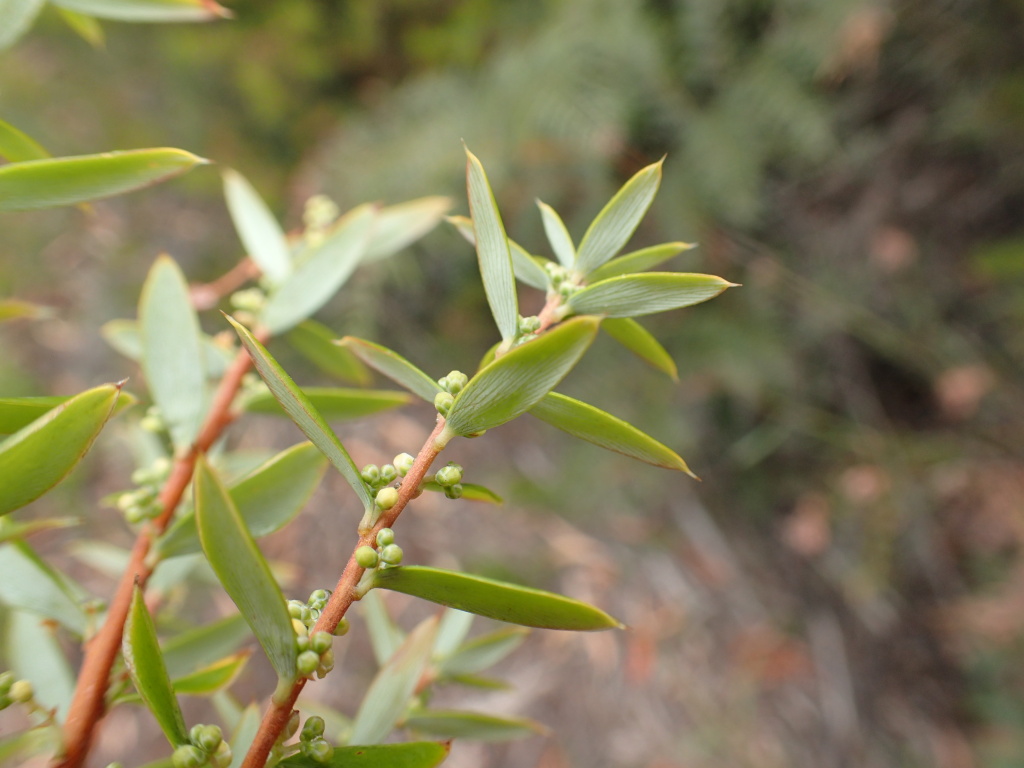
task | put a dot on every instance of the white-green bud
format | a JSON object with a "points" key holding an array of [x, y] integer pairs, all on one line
{"points": [[307, 662], [188, 756], [449, 475], [457, 380], [321, 642], [318, 750], [386, 498], [453, 491], [370, 474], [391, 554], [292, 727], [385, 536], [21, 691], [206, 737], [221, 758], [313, 728], [388, 473], [318, 598], [443, 402], [403, 463], [342, 628], [366, 557]]}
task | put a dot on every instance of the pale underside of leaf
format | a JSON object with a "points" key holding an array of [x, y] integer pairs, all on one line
{"points": [[646, 293], [257, 228]]}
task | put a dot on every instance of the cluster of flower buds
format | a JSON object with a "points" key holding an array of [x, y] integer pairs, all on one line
{"points": [[319, 214], [143, 503], [206, 747], [316, 656], [451, 385], [385, 553], [449, 478], [379, 480], [14, 691], [564, 282], [153, 420], [312, 742]]}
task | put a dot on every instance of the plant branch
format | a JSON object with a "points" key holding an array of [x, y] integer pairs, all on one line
{"points": [[276, 717], [88, 704]]}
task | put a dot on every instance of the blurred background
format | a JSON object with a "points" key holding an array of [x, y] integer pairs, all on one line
{"points": [[846, 585]]}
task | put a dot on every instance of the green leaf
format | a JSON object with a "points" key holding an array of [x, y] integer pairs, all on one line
{"points": [[123, 336], [40, 455], [18, 412], [147, 10], [387, 700], [492, 250], [638, 261], [13, 309], [17, 17], [262, 236], [638, 340], [316, 343], [335, 403], [397, 226], [172, 352], [69, 180], [602, 429], [415, 754], [392, 365], [212, 678], [30, 583], [453, 724], [146, 666], [483, 652], [451, 631], [528, 269], [86, 27], [558, 235], [244, 734], [494, 599], [34, 654], [17, 529], [385, 636], [618, 220], [470, 492], [268, 498], [646, 293], [321, 272], [16, 146], [243, 572], [513, 383], [303, 413], [198, 648]]}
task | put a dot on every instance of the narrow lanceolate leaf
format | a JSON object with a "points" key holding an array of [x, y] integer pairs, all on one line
{"points": [[528, 269], [453, 724], [646, 293], [17, 146], [638, 261], [16, 16], [19, 412], [86, 27], [198, 648], [558, 235], [172, 351], [513, 383], [470, 492], [316, 343], [414, 754], [262, 236], [40, 455], [303, 412], [638, 340], [618, 220], [335, 403], [492, 250], [483, 652], [30, 583], [244, 734], [451, 631], [147, 10], [494, 599], [319, 274], [13, 309], [34, 654], [243, 572], [149, 674], [212, 678], [125, 337], [268, 498], [17, 529], [69, 180], [387, 700], [400, 225], [600, 428], [392, 365], [385, 636]]}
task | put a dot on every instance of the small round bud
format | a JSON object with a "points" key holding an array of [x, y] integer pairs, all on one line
{"points": [[457, 380], [302, 643], [221, 758], [313, 728], [6, 679], [443, 383], [454, 491], [388, 473], [295, 609], [443, 402], [300, 629], [142, 475], [135, 515], [188, 756], [318, 750], [391, 554], [307, 663], [403, 463], [292, 727], [321, 642], [385, 536], [342, 628], [313, 616], [449, 475], [370, 474], [208, 738], [366, 557], [386, 498], [326, 661], [21, 691], [318, 598], [529, 324]]}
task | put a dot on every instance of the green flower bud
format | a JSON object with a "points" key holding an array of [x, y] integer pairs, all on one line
{"points": [[391, 554], [135, 515], [366, 557], [443, 402], [6, 678], [302, 643], [454, 491], [206, 737], [188, 756], [152, 421], [386, 498], [296, 609], [318, 598], [326, 661], [388, 473], [370, 474], [449, 475], [142, 475], [307, 663], [403, 463], [319, 750], [342, 628], [313, 616], [457, 380], [321, 642], [21, 691], [222, 757], [5, 701], [301, 629], [292, 727], [385, 536], [529, 324], [313, 728]]}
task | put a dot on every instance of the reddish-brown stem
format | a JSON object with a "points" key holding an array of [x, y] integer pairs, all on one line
{"points": [[88, 705], [276, 717], [208, 295]]}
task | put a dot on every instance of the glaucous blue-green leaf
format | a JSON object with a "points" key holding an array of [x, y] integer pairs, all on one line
{"points": [[13, 309], [303, 413], [172, 351], [638, 340], [16, 16], [243, 572], [16, 146], [387, 700], [558, 235], [68, 180], [197, 648], [268, 498], [475, 726], [492, 250], [244, 734], [257, 228], [513, 383], [646, 293], [18, 529], [528, 269], [29, 582], [145, 664], [451, 631], [400, 225], [392, 365], [41, 454], [618, 220], [414, 754], [86, 27], [316, 343], [494, 599], [335, 403], [33, 653], [470, 492], [147, 10], [638, 261], [602, 429], [385, 636], [483, 652], [320, 272], [124, 337]]}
